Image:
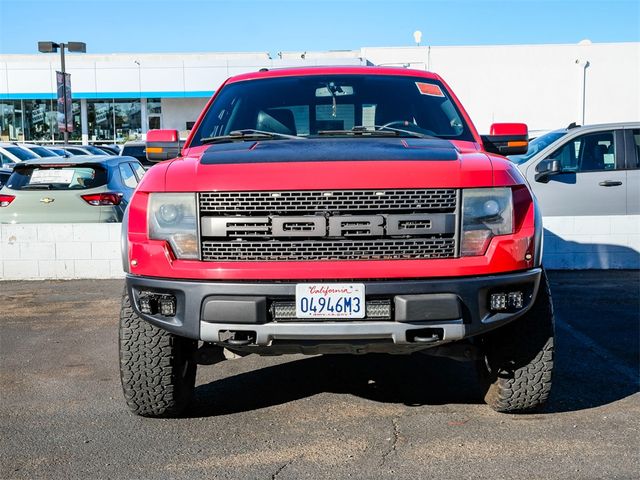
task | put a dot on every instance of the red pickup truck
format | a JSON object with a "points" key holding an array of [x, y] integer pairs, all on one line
{"points": [[334, 210]]}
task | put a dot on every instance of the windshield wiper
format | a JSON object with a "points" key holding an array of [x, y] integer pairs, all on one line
{"points": [[248, 134], [361, 131], [375, 131], [402, 130]]}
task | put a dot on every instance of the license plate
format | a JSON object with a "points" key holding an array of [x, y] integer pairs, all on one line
{"points": [[330, 300]]}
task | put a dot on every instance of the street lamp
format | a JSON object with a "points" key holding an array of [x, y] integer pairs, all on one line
{"points": [[52, 47], [417, 37]]}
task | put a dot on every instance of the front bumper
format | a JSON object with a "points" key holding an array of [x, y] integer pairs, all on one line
{"points": [[198, 315]]}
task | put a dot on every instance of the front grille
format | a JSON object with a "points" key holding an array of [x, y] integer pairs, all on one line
{"points": [[287, 250], [273, 226], [285, 311], [343, 201]]}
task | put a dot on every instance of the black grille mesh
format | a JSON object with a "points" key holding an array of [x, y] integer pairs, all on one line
{"points": [[313, 201], [287, 250]]}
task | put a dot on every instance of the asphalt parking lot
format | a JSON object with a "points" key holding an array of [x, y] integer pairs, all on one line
{"points": [[63, 416]]}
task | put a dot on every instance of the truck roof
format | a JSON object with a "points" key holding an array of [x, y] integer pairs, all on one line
{"points": [[328, 70]]}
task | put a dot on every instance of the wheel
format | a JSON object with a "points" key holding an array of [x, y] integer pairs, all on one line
{"points": [[157, 368], [516, 363]]}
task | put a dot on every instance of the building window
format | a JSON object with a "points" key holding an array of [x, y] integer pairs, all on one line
{"points": [[11, 129], [128, 120], [154, 114], [39, 121], [100, 120], [114, 120], [77, 123]]}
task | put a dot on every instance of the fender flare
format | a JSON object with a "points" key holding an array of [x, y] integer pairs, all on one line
{"points": [[538, 237], [124, 241]]}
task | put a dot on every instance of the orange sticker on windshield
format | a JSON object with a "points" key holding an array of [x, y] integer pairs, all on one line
{"points": [[429, 89]]}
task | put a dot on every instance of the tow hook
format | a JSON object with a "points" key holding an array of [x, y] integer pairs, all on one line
{"points": [[426, 335], [433, 338], [237, 338]]}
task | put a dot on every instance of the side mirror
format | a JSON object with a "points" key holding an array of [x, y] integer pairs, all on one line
{"points": [[546, 168], [162, 145], [507, 139]]}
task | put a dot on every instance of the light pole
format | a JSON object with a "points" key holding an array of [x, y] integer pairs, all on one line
{"points": [[417, 37], [52, 47]]}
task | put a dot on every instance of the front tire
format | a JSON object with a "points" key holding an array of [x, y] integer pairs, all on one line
{"points": [[157, 369], [516, 364]]}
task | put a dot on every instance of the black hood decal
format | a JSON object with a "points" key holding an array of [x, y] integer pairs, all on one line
{"points": [[330, 150]]}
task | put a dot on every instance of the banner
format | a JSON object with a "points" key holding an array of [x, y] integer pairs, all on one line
{"points": [[64, 102]]}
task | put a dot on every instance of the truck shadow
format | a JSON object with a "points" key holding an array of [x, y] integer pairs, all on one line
{"points": [[595, 364], [410, 380]]}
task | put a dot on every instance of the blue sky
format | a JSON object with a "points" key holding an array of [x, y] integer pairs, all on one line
{"points": [[273, 26]]}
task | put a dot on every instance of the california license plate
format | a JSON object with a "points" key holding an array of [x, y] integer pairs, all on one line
{"points": [[330, 300]]}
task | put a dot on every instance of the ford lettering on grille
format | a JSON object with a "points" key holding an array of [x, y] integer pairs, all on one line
{"points": [[331, 226], [260, 226]]}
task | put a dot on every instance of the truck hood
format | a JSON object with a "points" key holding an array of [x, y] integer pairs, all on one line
{"points": [[329, 163]]}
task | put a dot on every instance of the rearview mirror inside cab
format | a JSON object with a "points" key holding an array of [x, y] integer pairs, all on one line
{"points": [[334, 90], [546, 168], [162, 145], [507, 139]]}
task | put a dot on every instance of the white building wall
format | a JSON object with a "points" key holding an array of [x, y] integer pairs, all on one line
{"points": [[540, 85], [60, 251], [130, 73], [176, 112]]}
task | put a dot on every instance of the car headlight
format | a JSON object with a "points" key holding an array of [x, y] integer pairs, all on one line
{"points": [[486, 213], [172, 217]]}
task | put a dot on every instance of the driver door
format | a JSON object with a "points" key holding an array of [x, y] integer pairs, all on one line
{"points": [[592, 180]]}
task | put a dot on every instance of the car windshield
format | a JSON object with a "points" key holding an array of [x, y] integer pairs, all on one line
{"points": [[314, 105], [537, 145], [134, 151], [21, 153], [94, 150], [48, 177], [43, 152]]}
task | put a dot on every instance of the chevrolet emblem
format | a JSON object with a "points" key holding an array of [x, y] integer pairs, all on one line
{"points": [[47, 200]]}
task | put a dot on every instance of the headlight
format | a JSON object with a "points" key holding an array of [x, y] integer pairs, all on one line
{"points": [[486, 212], [172, 217]]}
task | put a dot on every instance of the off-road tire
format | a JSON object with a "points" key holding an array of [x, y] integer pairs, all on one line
{"points": [[516, 363], [157, 369]]}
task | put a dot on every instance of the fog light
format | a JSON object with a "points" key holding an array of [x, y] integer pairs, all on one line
{"points": [[498, 301], [167, 305], [145, 305], [515, 300], [379, 309]]}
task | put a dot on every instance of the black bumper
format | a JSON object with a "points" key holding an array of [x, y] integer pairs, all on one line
{"points": [[248, 306]]}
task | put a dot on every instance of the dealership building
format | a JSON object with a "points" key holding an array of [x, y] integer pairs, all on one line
{"points": [[119, 97]]}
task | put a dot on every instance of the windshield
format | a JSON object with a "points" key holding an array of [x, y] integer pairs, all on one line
{"points": [[537, 145], [332, 104], [35, 177], [94, 150], [43, 152], [21, 153]]}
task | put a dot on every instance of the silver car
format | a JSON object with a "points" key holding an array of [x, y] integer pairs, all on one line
{"points": [[70, 190], [590, 170], [10, 154]]}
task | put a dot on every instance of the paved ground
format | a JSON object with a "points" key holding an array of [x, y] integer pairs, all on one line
{"points": [[62, 414]]}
